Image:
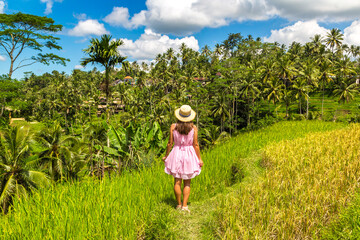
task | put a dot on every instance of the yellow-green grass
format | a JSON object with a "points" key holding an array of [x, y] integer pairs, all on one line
{"points": [[121, 207], [306, 183], [347, 225]]}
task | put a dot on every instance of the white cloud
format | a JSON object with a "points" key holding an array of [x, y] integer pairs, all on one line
{"points": [[323, 10], [300, 32], [49, 5], [78, 67], [118, 17], [2, 58], [150, 44], [2, 6], [183, 17], [88, 27], [352, 34]]}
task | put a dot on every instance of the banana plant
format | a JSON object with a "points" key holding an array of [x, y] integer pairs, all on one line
{"points": [[133, 143]]}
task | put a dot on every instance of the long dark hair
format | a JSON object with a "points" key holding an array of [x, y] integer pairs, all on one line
{"points": [[184, 127]]}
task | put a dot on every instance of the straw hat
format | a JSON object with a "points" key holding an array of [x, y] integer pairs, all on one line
{"points": [[185, 113]]}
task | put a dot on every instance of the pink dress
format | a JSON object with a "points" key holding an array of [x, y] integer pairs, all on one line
{"points": [[182, 161]]}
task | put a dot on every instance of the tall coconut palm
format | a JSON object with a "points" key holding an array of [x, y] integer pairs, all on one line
{"points": [[355, 50], [285, 70], [221, 109], [301, 90], [250, 86], [105, 52], [316, 43], [17, 178], [274, 91], [310, 73], [334, 38], [346, 91], [326, 75]]}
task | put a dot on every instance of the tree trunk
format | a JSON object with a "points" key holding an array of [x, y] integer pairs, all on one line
{"points": [[89, 112], [232, 118], [307, 106], [11, 70], [322, 102], [197, 115], [248, 117], [236, 114], [91, 159], [287, 110]]}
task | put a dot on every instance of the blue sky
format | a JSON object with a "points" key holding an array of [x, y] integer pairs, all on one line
{"points": [[149, 27]]}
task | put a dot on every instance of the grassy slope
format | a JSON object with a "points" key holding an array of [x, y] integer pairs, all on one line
{"points": [[138, 204], [347, 225], [307, 183], [331, 106]]}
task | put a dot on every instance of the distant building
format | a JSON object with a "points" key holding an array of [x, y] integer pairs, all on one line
{"points": [[126, 79]]}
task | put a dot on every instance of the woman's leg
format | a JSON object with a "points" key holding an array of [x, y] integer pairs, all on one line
{"points": [[186, 191], [177, 190]]}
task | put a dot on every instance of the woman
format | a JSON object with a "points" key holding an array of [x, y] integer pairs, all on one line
{"points": [[184, 161]]}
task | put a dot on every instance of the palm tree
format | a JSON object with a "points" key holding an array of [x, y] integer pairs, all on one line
{"points": [[95, 135], [250, 87], [310, 73], [325, 69], [345, 67], [334, 38], [212, 135], [218, 51], [274, 91], [104, 52], [316, 43], [285, 70], [346, 91], [206, 51], [301, 89], [355, 50], [58, 152], [17, 178], [221, 109]]}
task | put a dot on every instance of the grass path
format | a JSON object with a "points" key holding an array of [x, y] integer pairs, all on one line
{"points": [[195, 225], [201, 222]]}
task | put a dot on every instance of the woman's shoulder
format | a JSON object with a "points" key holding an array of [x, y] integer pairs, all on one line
{"points": [[172, 127]]}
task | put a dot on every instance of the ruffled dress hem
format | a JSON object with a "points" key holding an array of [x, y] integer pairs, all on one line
{"points": [[185, 176]]}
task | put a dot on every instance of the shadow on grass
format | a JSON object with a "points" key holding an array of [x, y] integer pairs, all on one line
{"points": [[170, 201]]}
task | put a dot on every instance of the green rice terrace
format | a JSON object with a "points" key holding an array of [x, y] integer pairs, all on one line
{"points": [[81, 152], [292, 180]]}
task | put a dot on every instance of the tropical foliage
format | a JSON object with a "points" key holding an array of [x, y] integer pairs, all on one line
{"points": [[114, 123]]}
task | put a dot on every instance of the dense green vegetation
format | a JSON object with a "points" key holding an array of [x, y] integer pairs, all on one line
{"points": [[126, 206], [84, 160]]}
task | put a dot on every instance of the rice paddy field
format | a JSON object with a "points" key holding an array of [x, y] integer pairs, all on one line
{"points": [[333, 110], [291, 180]]}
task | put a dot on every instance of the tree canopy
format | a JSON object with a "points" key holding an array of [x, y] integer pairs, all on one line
{"points": [[21, 31]]}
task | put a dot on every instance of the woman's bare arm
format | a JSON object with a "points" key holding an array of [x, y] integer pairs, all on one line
{"points": [[170, 142], [196, 146]]}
